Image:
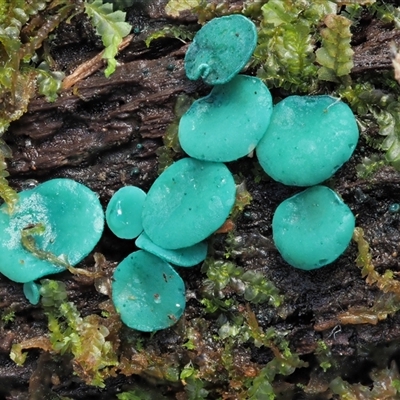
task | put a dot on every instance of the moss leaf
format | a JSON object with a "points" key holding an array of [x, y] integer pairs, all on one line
{"points": [[175, 7], [112, 28], [335, 56]]}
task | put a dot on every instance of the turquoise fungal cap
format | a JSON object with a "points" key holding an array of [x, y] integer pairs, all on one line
{"points": [[147, 292], [124, 212], [220, 49], [32, 292], [229, 122], [72, 218], [312, 228], [186, 257], [308, 140], [189, 201]]}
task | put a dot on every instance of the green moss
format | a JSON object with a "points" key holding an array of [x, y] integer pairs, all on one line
{"points": [[24, 27], [243, 199], [226, 276], [175, 7], [84, 338], [378, 111], [384, 282], [111, 27], [384, 386], [335, 55], [324, 355], [287, 37], [139, 393], [290, 64], [7, 316], [181, 32], [194, 386], [386, 12], [284, 361], [28, 243], [386, 302], [370, 165]]}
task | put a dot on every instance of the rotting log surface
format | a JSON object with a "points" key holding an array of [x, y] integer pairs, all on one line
{"points": [[90, 134]]}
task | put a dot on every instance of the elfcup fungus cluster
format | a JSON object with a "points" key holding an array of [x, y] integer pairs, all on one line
{"points": [[301, 141]]}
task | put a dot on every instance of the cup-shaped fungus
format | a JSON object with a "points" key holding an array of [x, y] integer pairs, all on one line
{"points": [[186, 257], [32, 292], [124, 212], [229, 122], [189, 201], [312, 228], [220, 49], [147, 292], [308, 140], [58, 222]]}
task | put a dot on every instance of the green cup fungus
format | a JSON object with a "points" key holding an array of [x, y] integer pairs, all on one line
{"points": [[60, 217], [147, 292], [193, 197], [229, 122], [308, 140], [124, 212], [304, 142], [32, 292], [312, 228], [220, 49], [189, 201], [186, 257]]}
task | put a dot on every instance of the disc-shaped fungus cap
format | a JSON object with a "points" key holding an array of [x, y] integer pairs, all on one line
{"points": [[59, 218], [147, 292], [186, 257], [220, 49], [229, 122], [124, 212], [312, 228], [189, 201], [308, 140]]}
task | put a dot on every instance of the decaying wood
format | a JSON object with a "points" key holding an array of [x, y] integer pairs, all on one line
{"points": [[91, 66], [90, 133]]}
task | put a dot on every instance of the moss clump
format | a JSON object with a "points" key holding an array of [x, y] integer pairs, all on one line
{"points": [[387, 302], [324, 355], [181, 32], [336, 54], [226, 276], [24, 27], [385, 386], [369, 166], [83, 338], [385, 282]]}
